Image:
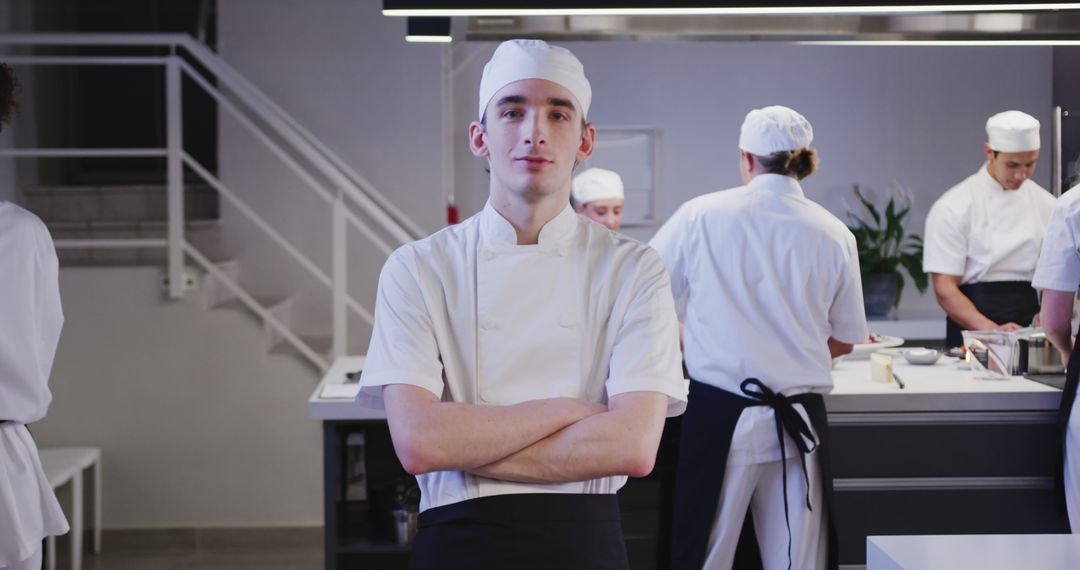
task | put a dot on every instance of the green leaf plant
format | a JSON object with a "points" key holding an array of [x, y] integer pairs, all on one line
{"points": [[884, 246]]}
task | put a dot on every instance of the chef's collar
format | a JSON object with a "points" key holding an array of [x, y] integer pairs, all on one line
{"points": [[777, 183], [554, 233]]}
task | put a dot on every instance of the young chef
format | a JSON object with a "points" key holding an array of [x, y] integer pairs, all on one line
{"points": [[527, 357], [773, 293], [1058, 276], [983, 235], [598, 195], [31, 318]]}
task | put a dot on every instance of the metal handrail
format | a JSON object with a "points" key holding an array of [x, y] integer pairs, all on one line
{"points": [[345, 183]]}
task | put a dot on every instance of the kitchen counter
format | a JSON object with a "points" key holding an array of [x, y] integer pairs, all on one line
{"points": [[948, 454], [946, 386], [942, 387]]}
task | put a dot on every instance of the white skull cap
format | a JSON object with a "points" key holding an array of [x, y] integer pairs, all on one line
{"points": [[596, 184], [774, 129], [1013, 131], [516, 60]]}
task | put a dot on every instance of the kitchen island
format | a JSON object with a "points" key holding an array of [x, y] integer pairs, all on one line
{"points": [[948, 454]]}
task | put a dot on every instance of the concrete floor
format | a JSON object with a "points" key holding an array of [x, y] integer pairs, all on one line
{"points": [[202, 549]]}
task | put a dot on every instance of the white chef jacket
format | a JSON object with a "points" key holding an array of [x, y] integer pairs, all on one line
{"points": [[1059, 270], [475, 318], [981, 231], [769, 276], [30, 321]]}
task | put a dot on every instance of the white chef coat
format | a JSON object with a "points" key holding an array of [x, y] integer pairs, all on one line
{"points": [[984, 233], [30, 321], [769, 276], [1059, 270], [475, 318]]}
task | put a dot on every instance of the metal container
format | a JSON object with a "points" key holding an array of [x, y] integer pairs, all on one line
{"points": [[1037, 355]]}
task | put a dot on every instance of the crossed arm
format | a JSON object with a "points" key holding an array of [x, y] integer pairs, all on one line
{"points": [[554, 440]]}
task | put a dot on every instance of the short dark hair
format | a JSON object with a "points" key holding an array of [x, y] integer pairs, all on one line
{"points": [[8, 87]]}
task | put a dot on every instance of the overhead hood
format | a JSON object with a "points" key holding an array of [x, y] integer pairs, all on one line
{"points": [[1060, 28]]}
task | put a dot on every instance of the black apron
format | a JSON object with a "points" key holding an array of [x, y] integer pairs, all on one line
{"points": [[544, 530], [1001, 302], [1068, 398], [707, 429]]}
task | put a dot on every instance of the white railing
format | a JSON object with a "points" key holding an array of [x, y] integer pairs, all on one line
{"points": [[323, 172]]}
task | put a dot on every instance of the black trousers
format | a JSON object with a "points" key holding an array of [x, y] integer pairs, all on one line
{"points": [[565, 532]]}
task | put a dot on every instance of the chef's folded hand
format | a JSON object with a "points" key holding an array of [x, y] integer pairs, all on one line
{"points": [[1008, 327]]}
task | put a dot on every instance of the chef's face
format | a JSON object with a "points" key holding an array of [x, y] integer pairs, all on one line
{"points": [[1011, 169], [607, 212], [533, 135]]}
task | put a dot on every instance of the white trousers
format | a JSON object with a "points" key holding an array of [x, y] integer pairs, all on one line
{"points": [[32, 563], [1072, 468], [759, 486]]}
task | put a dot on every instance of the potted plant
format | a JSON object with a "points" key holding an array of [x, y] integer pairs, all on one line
{"points": [[884, 247]]}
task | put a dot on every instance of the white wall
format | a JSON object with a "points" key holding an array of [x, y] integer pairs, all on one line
{"points": [[913, 115], [197, 425], [346, 73]]}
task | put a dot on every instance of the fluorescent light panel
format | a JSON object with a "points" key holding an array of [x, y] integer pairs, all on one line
{"points": [[948, 43], [429, 39], [732, 11]]}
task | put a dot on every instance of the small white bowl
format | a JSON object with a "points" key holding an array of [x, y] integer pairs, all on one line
{"points": [[921, 355]]}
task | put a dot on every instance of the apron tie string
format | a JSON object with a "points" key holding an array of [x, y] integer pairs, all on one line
{"points": [[790, 420]]}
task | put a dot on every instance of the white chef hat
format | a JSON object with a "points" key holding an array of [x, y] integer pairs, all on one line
{"points": [[515, 60], [774, 129], [596, 184], [1013, 131]]}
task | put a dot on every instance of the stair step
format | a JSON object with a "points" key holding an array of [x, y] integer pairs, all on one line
{"points": [[117, 203], [204, 235]]}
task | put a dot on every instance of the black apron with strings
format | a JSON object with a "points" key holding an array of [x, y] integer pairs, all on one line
{"points": [[707, 429], [1068, 398], [1001, 302]]}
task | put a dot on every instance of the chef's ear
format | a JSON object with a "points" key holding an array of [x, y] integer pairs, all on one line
{"points": [[588, 143], [989, 152], [478, 139]]}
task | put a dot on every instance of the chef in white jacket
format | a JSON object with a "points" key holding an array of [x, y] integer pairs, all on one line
{"points": [[598, 195], [1058, 277], [30, 321], [526, 357], [983, 235], [772, 294]]}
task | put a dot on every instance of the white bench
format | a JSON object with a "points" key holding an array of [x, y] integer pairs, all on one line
{"points": [[983, 551], [68, 464]]}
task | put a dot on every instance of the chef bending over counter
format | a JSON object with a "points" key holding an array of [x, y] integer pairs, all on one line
{"points": [[983, 235]]}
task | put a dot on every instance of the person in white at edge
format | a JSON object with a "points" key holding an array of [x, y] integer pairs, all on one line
{"points": [[598, 195], [1058, 275], [527, 357], [983, 235], [772, 292], [30, 321]]}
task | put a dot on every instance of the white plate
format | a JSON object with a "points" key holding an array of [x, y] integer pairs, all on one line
{"points": [[863, 351]]}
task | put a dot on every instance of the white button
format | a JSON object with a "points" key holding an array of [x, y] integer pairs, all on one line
{"points": [[485, 395], [564, 251], [567, 322], [489, 324], [487, 254]]}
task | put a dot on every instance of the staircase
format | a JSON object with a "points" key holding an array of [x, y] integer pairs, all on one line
{"points": [[178, 225]]}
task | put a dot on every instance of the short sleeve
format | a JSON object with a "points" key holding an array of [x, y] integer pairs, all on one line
{"points": [[669, 242], [1059, 261], [946, 243], [403, 348], [646, 355], [847, 315]]}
